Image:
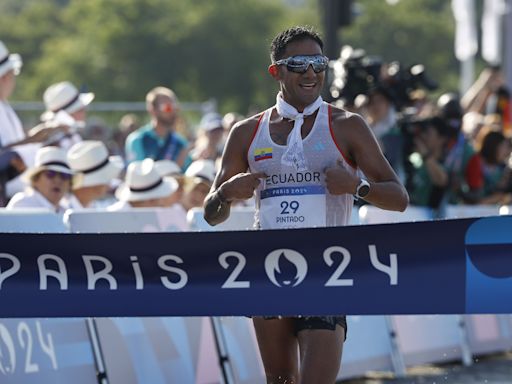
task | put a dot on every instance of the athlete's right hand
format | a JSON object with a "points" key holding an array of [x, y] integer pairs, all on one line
{"points": [[241, 186]]}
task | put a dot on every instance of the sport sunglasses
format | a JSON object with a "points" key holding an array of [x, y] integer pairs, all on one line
{"points": [[301, 63]]}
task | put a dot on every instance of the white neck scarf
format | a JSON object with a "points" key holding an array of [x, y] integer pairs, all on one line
{"points": [[294, 154]]}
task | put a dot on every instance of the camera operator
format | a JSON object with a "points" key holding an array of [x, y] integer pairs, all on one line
{"points": [[429, 178], [459, 151], [381, 114]]}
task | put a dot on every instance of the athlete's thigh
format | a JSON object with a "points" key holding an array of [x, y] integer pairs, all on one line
{"points": [[278, 348], [320, 354]]}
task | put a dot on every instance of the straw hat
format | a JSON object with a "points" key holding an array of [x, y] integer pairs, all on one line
{"points": [[167, 168], [202, 169], [9, 61], [64, 96], [92, 165], [143, 182], [48, 158]]}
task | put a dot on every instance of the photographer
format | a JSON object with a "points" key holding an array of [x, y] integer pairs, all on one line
{"points": [[381, 114], [429, 180]]}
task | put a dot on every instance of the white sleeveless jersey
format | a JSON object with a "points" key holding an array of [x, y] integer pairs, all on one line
{"points": [[288, 198]]}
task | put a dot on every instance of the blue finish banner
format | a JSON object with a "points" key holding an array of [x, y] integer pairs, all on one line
{"points": [[435, 267]]}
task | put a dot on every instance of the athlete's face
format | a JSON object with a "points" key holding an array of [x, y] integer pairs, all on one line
{"points": [[301, 89]]}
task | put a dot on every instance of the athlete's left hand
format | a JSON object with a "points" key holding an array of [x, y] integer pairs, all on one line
{"points": [[339, 181]]}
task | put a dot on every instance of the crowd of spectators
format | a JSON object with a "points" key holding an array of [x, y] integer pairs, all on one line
{"points": [[446, 150]]}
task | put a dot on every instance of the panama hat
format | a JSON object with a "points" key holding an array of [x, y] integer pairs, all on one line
{"points": [[167, 168], [202, 169], [143, 182], [9, 61], [49, 158], [64, 96], [92, 165]]}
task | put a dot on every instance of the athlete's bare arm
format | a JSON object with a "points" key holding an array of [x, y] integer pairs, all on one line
{"points": [[358, 143], [233, 182]]}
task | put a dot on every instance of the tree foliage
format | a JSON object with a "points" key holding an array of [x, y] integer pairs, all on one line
{"points": [[202, 49], [411, 32]]}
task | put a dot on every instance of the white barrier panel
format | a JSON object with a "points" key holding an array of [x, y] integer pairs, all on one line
{"points": [[135, 220], [34, 351], [369, 214], [463, 211], [421, 339], [159, 350], [241, 349], [489, 333], [430, 339], [240, 219], [32, 220], [367, 348]]}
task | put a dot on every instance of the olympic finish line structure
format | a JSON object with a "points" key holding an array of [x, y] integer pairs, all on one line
{"points": [[461, 266]]}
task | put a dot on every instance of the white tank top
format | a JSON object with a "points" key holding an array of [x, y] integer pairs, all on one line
{"points": [[288, 198]]}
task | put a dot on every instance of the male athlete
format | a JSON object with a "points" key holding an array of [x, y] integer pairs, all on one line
{"points": [[304, 161]]}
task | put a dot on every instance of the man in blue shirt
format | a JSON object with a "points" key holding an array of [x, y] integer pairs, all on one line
{"points": [[158, 139]]}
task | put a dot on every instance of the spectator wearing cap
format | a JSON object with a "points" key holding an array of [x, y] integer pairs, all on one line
{"points": [[143, 187], [199, 179], [210, 140], [94, 172], [67, 107], [159, 139], [15, 153], [49, 179], [229, 120]]}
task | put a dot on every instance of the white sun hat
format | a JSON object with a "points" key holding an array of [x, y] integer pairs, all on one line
{"points": [[64, 96], [167, 168], [49, 158], [143, 182], [202, 169], [9, 61], [92, 165]]}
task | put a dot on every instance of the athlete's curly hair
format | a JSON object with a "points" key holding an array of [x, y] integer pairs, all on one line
{"points": [[280, 42]]}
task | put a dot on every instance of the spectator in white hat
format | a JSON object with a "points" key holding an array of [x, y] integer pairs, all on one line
{"points": [[49, 179], [64, 96], [12, 135], [143, 187], [199, 179], [168, 168], [94, 172], [66, 106], [210, 140]]}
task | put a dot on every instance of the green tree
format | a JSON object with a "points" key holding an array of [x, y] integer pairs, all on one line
{"points": [[411, 32], [122, 48]]}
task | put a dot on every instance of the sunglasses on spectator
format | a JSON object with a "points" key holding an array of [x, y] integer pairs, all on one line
{"points": [[301, 63], [52, 174], [166, 107]]}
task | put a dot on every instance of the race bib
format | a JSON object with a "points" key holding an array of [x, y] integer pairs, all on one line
{"points": [[292, 207]]}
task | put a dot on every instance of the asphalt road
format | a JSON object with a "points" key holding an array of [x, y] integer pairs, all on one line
{"points": [[491, 369]]}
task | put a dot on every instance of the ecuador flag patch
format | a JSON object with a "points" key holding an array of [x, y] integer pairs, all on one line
{"points": [[262, 154]]}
